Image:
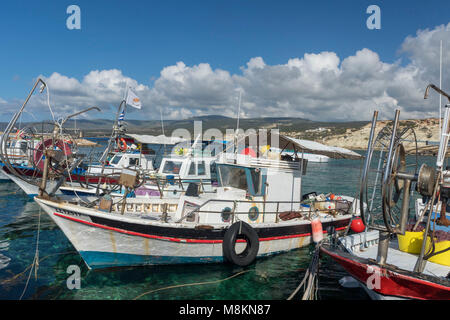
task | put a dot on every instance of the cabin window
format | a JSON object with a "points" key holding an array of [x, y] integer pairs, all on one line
{"points": [[172, 167], [201, 168], [226, 214], [253, 213], [134, 161], [212, 167], [116, 159], [192, 169], [256, 180], [23, 146], [233, 177]]}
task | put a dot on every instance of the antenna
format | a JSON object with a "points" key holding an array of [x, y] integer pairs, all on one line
{"points": [[440, 87], [162, 128], [239, 110]]}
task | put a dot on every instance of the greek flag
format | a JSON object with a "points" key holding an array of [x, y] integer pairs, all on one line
{"points": [[121, 117]]}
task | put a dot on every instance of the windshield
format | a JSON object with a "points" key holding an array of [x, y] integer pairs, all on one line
{"points": [[201, 168], [172, 167], [116, 159], [233, 177]]}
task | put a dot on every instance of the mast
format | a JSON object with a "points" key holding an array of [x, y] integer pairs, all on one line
{"points": [[237, 126]]}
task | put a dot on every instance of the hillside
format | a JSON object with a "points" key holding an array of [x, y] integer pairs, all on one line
{"points": [[426, 130], [351, 135], [291, 126]]}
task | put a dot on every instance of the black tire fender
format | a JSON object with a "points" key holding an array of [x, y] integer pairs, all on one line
{"points": [[240, 230]]}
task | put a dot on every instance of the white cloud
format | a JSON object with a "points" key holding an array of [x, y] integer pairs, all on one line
{"points": [[317, 86]]}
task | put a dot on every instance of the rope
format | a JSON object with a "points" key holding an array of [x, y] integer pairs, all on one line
{"points": [[35, 263], [48, 102], [310, 277], [21, 273], [192, 284]]}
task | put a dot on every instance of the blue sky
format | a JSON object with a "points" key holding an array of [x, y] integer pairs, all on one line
{"points": [[140, 38]]}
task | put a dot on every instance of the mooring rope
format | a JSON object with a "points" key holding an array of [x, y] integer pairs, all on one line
{"points": [[26, 269], [310, 278], [192, 284], [35, 263]]}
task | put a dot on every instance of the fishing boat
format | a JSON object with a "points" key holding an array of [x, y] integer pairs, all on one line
{"points": [[18, 152], [176, 171], [23, 159], [399, 255], [256, 211]]}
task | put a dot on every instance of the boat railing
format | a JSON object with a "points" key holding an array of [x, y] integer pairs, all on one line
{"points": [[311, 209], [161, 183]]}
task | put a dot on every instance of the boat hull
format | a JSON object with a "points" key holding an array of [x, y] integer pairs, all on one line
{"points": [[392, 282], [105, 242]]}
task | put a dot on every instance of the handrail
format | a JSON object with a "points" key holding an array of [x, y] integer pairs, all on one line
{"points": [[235, 202]]}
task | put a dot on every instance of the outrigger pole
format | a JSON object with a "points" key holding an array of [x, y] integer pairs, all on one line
{"points": [[11, 125], [443, 146]]}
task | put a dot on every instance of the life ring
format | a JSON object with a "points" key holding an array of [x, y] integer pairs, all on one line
{"points": [[122, 144], [240, 229], [38, 155]]}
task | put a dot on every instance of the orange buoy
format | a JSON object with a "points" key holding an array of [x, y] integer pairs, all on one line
{"points": [[357, 225], [122, 144], [317, 231]]}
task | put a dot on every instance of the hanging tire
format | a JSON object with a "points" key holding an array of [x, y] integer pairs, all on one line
{"points": [[240, 230]]}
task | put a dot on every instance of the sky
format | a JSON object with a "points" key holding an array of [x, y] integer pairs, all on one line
{"points": [[184, 58]]}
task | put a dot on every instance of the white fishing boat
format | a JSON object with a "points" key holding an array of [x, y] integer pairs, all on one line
{"points": [[256, 211], [123, 160], [18, 150]]}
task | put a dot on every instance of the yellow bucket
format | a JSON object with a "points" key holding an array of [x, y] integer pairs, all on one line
{"points": [[442, 258], [411, 242]]}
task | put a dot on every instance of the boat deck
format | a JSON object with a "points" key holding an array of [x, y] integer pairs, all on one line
{"points": [[400, 259]]}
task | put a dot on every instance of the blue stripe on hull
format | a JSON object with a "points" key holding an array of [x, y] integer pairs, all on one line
{"points": [[80, 193], [98, 259]]}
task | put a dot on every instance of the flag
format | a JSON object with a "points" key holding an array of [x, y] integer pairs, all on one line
{"points": [[133, 100]]}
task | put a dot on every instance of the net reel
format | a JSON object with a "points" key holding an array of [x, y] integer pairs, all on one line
{"points": [[389, 176]]}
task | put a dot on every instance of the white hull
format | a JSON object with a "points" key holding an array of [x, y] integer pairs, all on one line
{"points": [[104, 245], [4, 176], [30, 189]]}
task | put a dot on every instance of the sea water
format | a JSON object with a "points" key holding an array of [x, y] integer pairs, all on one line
{"points": [[273, 277]]}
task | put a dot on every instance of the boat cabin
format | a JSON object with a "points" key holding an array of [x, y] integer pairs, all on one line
{"points": [[123, 160], [252, 190]]}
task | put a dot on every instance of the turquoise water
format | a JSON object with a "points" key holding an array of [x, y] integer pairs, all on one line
{"points": [[269, 278]]}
